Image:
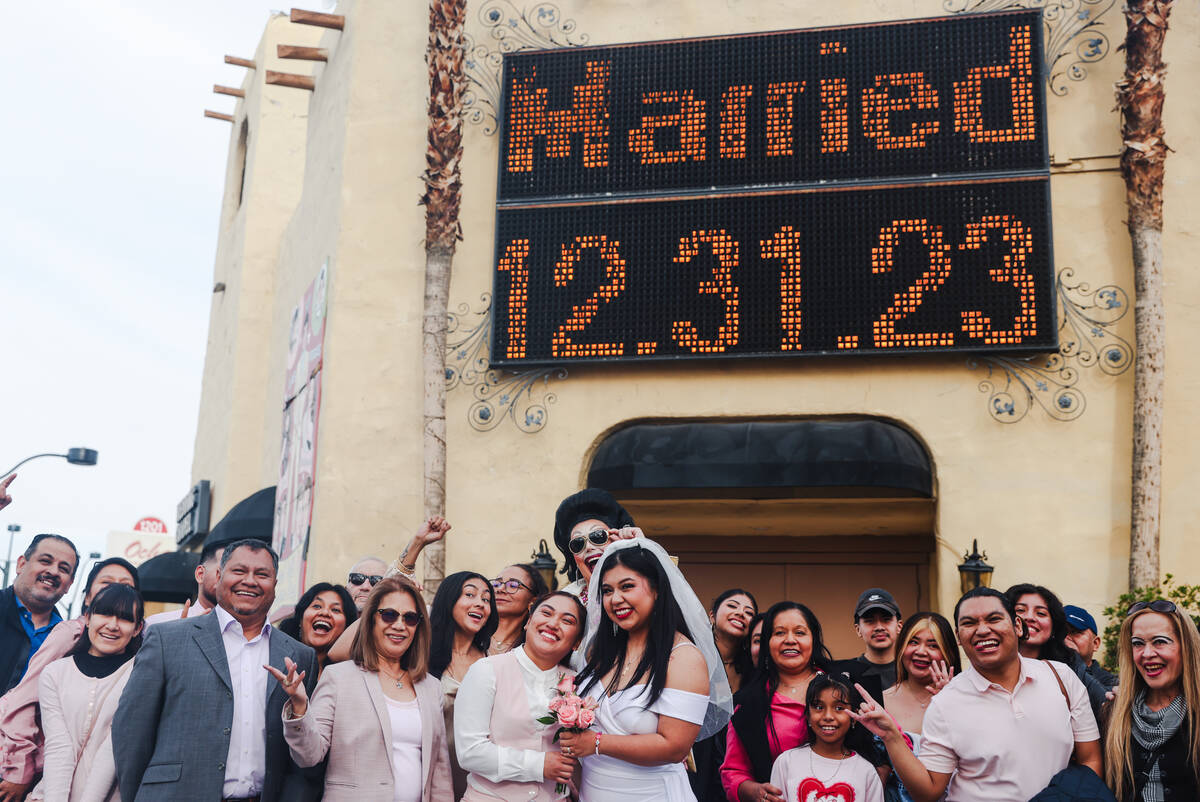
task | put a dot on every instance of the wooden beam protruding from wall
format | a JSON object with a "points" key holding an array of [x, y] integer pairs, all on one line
{"points": [[335, 21], [291, 79], [241, 62], [228, 90], [305, 53], [216, 115]]}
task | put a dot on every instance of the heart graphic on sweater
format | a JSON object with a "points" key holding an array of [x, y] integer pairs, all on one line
{"points": [[813, 790]]}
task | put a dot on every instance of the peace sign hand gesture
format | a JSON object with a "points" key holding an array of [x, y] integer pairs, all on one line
{"points": [[293, 686], [5, 498]]}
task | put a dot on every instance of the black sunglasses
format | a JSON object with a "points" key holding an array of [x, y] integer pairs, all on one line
{"points": [[1158, 606], [597, 536], [511, 585], [389, 616], [358, 579]]}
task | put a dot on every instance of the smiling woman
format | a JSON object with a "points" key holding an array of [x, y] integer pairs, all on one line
{"points": [[320, 617]]}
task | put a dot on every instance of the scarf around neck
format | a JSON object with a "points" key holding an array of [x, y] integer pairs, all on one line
{"points": [[1152, 729]]}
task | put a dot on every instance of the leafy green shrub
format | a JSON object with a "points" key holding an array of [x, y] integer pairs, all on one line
{"points": [[1186, 597]]}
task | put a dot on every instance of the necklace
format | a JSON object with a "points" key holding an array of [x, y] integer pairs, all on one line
{"points": [[916, 697], [812, 769], [398, 679]]}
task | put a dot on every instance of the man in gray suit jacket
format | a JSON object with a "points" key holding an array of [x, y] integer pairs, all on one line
{"points": [[198, 720]]}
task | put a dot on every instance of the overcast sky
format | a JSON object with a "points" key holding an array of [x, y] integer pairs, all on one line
{"points": [[111, 188]]}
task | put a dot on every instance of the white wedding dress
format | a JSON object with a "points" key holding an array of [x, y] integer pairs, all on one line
{"points": [[606, 779]]}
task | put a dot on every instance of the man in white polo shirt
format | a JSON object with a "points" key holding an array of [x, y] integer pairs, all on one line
{"points": [[1000, 730]]}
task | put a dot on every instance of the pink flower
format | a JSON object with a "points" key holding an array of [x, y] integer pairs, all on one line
{"points": [[568, 715], [586, 718], [566, 684], [556, 703], [588, 703]]}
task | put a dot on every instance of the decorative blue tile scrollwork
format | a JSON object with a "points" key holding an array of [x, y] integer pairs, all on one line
{"points": [[520, 396], [1074, 35], [510, 29], [1087, 339]]}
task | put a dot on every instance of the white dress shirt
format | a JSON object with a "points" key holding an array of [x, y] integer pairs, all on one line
{"points": [[477, 753], [246, 765]]}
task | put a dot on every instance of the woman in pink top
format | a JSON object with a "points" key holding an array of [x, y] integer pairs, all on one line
{"points": [[20, 732], [770, 717], [509, 755]]}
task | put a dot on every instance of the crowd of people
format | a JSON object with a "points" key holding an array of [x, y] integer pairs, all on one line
{"points": [[622, 686]]}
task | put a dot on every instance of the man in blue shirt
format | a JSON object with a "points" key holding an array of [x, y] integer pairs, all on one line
{"points": [[27, 613]]}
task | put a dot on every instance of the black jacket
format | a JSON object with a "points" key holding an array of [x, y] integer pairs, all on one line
{"points": [[1179, 779], [14, 643], [1075, 784]]}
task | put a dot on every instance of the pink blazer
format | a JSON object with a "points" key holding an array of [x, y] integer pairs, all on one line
{"points": [[347, 718]]}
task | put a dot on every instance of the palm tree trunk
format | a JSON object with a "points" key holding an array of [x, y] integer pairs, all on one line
{"points": [[442, 198], [1140, 96]]}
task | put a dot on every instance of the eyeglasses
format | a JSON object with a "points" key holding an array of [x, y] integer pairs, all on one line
{"points": [[389, 616], [510, 585], [1158, 606], [359, 579], [597, 536]]}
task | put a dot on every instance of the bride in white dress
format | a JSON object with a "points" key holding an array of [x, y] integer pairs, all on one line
{"points": [[659, 689]]}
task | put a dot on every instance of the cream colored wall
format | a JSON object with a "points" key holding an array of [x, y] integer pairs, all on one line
{"points": [[237, 400], [1049, 501]]}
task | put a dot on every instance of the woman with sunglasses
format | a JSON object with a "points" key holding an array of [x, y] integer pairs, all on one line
{"points": [[377, 718], [462, 620], [499, 740], [515, 590], [1152, 750], [584, 526]]}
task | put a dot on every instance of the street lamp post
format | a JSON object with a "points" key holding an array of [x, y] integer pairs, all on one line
{"points": [[12, 531], [75, 456]]}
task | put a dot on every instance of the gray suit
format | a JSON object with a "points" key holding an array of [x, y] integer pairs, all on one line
{"points": [[171, 731]]}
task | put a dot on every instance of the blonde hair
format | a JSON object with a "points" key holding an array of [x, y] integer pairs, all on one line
{"points": [[365, 651], [1118, 745], [918, 623]]}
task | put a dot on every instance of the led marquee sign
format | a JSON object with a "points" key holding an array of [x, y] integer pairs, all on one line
{"points": [[877, 188]]}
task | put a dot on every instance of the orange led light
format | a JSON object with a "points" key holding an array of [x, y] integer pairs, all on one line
{"points": [[1012, 271], [878, 103], [829, 48], [835, 116], [561, 344], [733, 121], [907, 302], [530, 119], [780, 104], [968, 94], [515, 262], [725, 249], [689, 119], [785, 246]]}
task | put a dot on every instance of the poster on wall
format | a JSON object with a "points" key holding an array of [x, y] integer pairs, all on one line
{"points": [[298, 452]]}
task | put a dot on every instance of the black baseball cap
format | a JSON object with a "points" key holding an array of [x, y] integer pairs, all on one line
{"points": [[875, 598]]}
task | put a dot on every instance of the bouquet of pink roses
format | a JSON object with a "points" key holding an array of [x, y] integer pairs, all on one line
{"points": [[570, 711]]}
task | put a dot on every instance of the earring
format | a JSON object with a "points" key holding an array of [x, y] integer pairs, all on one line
{"points": [[614, 626]]}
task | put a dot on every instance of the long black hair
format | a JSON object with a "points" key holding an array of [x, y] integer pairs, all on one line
{"points": [[121, 601], [742, 663], [293, 625], [753, 718], [441, 620], [666, 620], [857, 739], [1056, 648]]}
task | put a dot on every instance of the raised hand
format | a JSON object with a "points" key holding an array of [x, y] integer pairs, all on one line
{"points": [[293, 685], [626, 533], [872, 716], [187, 605], [942, 674], [431, 531], [5, 498]]}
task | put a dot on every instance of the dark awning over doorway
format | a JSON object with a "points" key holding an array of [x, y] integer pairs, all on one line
{"points": [[253, 516], [765, 454], [169, 577]]}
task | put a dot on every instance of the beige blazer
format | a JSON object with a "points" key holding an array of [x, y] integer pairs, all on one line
{"points": [[347, 718]]}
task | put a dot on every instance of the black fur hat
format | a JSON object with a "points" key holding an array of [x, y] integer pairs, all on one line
{"points": [[590, 503]]}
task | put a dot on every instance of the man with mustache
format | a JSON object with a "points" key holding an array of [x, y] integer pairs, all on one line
{"points": [[1000, 730], [198, 719], [27, 614]]}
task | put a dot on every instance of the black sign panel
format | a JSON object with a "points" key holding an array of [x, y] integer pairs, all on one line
{"points": [[962, 266], [951, 96]]}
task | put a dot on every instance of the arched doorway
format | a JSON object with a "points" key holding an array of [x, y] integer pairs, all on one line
{"points": [[810, 510]]}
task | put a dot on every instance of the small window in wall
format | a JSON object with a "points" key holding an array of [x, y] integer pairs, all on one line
{"points": [[243, 138]]}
